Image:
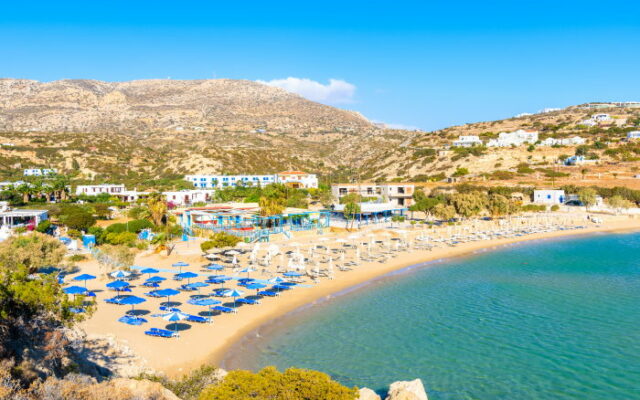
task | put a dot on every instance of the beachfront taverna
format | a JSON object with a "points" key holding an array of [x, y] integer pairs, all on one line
{"points": [[549, 196]]}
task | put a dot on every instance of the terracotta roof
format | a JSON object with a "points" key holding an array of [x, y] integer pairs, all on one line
{"points": [[292, 173]]}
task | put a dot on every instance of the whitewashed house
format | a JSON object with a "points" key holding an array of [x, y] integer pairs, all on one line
{"points": [[517, 138], [296, 179], [94, 190], [188, 197], [574, 141], [579, 160], [633, 135], [40, 171], [467, 141], [549, 196]]}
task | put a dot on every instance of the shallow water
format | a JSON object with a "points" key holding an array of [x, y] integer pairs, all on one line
{"points": [[544, 320]]}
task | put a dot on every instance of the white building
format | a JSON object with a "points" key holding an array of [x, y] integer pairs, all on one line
{"points": [[574, 141], [398, 194], [517, 138], [467, 141], [596, 119], [292, 178], [40, 171], [222, 181], [188, 197], [94, 190], [633, 135], [579, 160], [297, 179], [549, 196]]}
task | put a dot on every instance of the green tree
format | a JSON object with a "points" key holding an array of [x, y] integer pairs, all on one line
{"points": [[351, 210], [587, 197], [269, 383], [470, 204], [76, 217], [444, 211], [270, 205], [619, 203], [33, 251], [461, 171], [220, 240]]}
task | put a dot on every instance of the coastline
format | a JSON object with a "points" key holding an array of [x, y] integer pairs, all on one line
{"points": [[212, 344], [402, 265]]}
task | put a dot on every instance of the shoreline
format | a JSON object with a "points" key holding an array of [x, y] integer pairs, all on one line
{"points": [[398, 267], [213, 343]]}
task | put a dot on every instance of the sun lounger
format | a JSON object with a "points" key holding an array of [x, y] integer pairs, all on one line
{"points": [[151, 284], [248, 301], [198, 319], [114, 300], [169, 309], [161, 333], [267, 293], [224, 309], [153, 294], [132, 320], [188, 288]]}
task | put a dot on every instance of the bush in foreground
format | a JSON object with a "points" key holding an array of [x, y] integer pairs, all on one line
{"points": [[270, 384]]}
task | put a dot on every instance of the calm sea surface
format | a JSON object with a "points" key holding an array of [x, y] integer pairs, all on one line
{"points": [[544, 320]]}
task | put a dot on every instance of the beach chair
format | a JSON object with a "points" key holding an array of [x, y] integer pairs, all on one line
{"points": [[152, 294], [224, 309], [151, 284], [198, 319], [268, 293], [187, 288], [132, 320], [169, 309], [248, 301], [114, 300], [161, 333]]}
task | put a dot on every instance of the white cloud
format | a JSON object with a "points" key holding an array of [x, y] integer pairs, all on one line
{"points": [[336, 92]]}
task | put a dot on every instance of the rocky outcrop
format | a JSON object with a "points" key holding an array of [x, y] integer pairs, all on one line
{"points": [[368, 394], [407, 390], [143, 389]]}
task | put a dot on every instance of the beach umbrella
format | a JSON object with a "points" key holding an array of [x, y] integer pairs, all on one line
{"points": [[235, 260], [180, 264], [187, 275], [118, 285], [75, 290], [132, 301], [247, 271], [120, 274], [292, 274], [234, 293], [215, 267], [156, 279], [149, 271], [204, 302], [276, 281], [232, 252], [255, 286], [197, 285], [85, 278], [166, 293], [175, 317]]}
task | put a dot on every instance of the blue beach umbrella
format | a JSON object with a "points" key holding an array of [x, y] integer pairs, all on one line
{"points": [[118, 285], [74, 290], [292, 274], [175, 316], [247, 270], [180, 264], [120, 274], [234, 293], [156, 279], [256, 286], [187, 275], [132, 301], [85, 278], [203, 302], [215, 267], [167, 293], [276, 282], [149, 271]]}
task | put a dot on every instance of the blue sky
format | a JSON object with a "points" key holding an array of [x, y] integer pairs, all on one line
{"points": [[427, 64]]}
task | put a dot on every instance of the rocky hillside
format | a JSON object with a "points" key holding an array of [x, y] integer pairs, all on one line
{"points": [[141, 131], [219, 105]]}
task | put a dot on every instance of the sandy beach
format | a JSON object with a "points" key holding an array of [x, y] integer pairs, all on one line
{"points": [[208, 343]]}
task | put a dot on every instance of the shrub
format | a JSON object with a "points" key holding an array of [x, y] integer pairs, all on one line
{"points": [[77, 257], [269, 383], [134, 226], [74, 233], [219, 240], [534, 208], [76, 217], [43, 226], [127, 238], [555, 207]]}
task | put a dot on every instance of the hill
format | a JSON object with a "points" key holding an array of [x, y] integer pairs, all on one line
{"points": [[140, 131]]}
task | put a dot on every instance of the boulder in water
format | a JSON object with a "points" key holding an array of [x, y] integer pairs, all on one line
{"points": [[407, 390], [368, 394]]}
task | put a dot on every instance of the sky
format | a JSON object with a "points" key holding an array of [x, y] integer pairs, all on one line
{"points": [[423, 64]]}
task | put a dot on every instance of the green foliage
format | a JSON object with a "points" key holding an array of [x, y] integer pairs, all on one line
{"points": [[461, 171], [134, 226], [188, 387], [555, 207], [502, 175], [269, 383], [77, 257], [220, 240], [524, 168], [469, 204], [43, 226], [76, 217], [534, 208], [122, 238], [74, 233], [587, 196], [444, 211], [22, 296]]}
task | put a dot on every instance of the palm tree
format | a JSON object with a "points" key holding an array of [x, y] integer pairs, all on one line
{"points": [[59, 187], [26, 191]]}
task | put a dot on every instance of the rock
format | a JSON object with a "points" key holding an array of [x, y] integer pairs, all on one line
{"points": [[368, 394], [142, 389], [407, 390]]}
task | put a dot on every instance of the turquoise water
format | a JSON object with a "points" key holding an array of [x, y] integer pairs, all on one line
{"points": [[544, 320]]}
